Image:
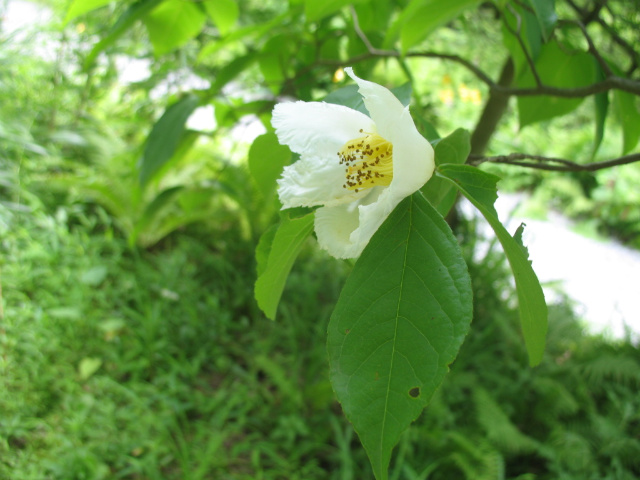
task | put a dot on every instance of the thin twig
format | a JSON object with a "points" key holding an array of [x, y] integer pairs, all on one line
{"points": [[373, 50], [592, 48], [594, 16], [555, 164]]}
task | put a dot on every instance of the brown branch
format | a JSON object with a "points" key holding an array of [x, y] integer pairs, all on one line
{"points": [[553, 164]]}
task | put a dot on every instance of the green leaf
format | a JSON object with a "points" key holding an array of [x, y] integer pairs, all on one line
{"points": [[267, 158], [626, 108], [264, 248], [172, 24], [165, 137], [134, 13], [80, 7], [231, 70], [316, 10], [284, 248], [530, 33], [88, 366], [545, 11], [249, 34], [400, 320], [152, 210], [601, 102], [556, 68], [224, 14], [427, 130], [275, 60], [452, 149], [421, 17], [480, 188]]}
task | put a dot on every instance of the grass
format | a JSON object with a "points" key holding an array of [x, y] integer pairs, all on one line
{"points": [[119, 363], [124, 363]]}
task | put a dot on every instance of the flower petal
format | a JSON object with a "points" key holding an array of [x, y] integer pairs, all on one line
{"points": [[383, 106], [372, 216], [334, 226], [345, 230], [317, 127], [314, 180]]}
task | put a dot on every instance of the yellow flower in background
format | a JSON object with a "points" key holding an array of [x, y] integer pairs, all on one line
{"points": [[471, 95], [357, 168]]}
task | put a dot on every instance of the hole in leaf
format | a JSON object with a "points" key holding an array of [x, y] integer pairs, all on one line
{"points": [[414, 392]]}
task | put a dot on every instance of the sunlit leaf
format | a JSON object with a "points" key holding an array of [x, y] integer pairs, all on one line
{"points": [[266, 161], [283, 248], [421, 17], [224, 14], [399, 322], [480, 188], [88, 366], [172, 24]]}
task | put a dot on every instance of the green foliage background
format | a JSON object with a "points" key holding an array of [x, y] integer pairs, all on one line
{"points": [[130, 343]]}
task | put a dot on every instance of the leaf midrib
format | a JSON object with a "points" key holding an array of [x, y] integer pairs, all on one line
{"points": [[395, 333]]}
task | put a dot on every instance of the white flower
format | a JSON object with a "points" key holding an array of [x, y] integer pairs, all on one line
{"points": [[358, 168]]}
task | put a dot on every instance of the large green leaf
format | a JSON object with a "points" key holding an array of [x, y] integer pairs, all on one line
{"points": [[274, 267], [172, 24], [545, 11], [135, 12], [452, 149], [626, 108], [556, 68], [480, 188], [266, 160], [224, 13], [421, 17], [165, 137], [400, 320], [601, 103], [530, 33]]}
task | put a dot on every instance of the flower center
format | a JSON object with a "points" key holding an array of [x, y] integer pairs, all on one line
{"points": [[368, 161]]}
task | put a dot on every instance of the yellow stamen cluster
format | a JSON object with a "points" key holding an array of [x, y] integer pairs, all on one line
{"points": [[368, 161]]}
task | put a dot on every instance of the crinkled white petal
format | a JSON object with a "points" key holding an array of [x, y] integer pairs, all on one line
{"points": [[318, 128], [334, 226], [413, 162], [345, 230], [372, 216], [314, 180]]}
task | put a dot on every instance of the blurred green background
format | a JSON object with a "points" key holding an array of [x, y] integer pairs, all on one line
{"points": [[130, 343]]}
